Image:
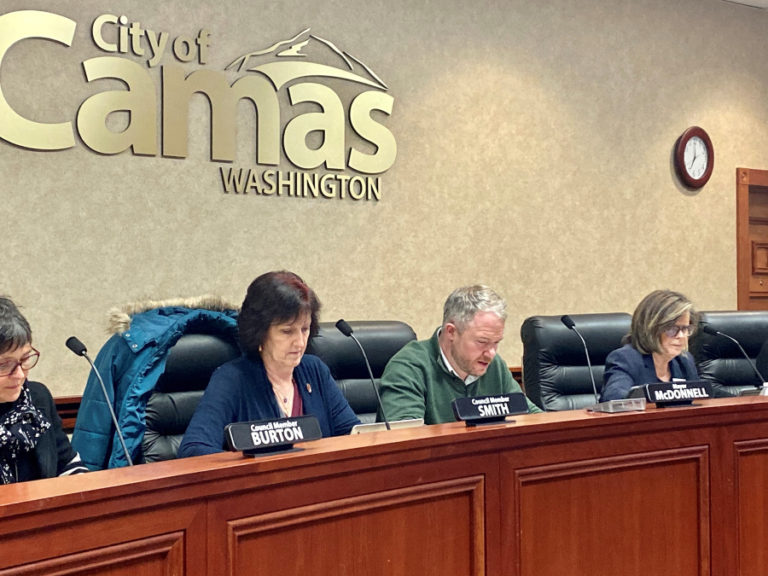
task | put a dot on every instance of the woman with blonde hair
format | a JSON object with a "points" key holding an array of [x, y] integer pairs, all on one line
{"points": [[656, 349]]}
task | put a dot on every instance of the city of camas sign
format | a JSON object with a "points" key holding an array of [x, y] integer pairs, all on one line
{"points": [[338, 149]]}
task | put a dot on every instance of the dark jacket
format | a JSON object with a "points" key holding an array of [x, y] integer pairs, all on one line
{"points": [[239, 391], [53, 453], [627, 367]]}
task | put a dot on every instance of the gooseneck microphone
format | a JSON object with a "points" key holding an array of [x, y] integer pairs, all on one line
{"points": [[79, 348], [571, 325], [346, 329], [611, 406], [707, 329]]}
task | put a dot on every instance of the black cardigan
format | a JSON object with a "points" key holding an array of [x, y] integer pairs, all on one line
{"points": [[53, 453]]}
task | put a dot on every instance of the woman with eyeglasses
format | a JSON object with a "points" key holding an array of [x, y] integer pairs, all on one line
{"points": [[656, 349], [32, 442]]}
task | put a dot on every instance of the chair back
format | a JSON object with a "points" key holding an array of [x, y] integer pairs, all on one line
{"points": [[555, 371], [379, 338], [718, 359], [188, 368]]}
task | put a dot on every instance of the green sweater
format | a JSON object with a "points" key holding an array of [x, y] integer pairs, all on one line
{"points": [[417, 384]]}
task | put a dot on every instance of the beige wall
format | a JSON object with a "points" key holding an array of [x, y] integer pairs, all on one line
{"points": [[534, 155]]}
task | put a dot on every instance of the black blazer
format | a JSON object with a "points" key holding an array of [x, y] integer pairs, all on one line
{"points": [[626, 367], [54, 453]]}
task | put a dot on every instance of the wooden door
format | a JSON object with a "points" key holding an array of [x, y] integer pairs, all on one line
{"points": [[752, 238]]}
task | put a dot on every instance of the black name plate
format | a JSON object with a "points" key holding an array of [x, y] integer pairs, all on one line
{"points": [[271, 435], [489, 409], [676, 393]]}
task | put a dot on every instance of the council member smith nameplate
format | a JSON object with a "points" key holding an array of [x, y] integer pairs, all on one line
{"points": [[489, 409]]}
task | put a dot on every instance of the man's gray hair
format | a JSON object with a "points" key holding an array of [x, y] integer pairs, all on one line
{"points": [[463, 303]]}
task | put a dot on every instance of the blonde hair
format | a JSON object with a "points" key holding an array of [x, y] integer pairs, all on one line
{"points": [[655, 313]]}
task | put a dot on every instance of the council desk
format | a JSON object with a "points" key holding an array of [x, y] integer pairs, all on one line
{"points": [[675, 491]]}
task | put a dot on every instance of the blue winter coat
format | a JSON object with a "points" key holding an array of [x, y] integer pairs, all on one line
{"points": [[130, 364]]}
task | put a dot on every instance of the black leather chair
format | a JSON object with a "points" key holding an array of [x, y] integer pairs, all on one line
{"points": [[718, 359], [555, 371], [189, 366], [192, 360], [380, 339]]}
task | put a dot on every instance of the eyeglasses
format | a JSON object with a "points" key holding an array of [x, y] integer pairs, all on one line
{"points": [[674, 330], [27, 362]]}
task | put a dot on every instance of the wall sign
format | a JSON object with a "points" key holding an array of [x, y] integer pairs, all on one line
{"points": [[319, 110]]}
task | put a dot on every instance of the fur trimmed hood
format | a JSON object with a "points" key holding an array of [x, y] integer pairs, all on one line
{"points": [[120, 317]]}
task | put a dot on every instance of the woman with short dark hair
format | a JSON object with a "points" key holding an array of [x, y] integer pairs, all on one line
{"points": [[32, 442], [273, 378], [274, 298], [656, 349]]}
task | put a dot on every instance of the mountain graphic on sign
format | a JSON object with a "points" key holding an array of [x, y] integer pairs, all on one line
{"points": [[303, 56]]}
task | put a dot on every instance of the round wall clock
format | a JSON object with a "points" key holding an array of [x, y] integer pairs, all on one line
{"points": [[694, 157]]}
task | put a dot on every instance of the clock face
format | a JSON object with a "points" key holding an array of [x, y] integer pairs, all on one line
{"points": [[695, 157]]}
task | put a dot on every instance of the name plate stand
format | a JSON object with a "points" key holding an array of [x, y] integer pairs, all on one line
{"points": [[675, 393], [482, 410], [269, 436]]}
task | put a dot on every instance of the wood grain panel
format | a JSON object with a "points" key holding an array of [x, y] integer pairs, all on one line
{"points": [[161, 540], [571, 514], [760, 259], [428, 529], [674, 491], [156, 556], [751, 484], [751, 216]]}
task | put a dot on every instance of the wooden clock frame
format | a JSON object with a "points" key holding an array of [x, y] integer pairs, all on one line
{"points": [[680, 157]]}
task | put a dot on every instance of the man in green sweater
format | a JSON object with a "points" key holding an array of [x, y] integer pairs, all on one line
{"points": [[460, 360]]}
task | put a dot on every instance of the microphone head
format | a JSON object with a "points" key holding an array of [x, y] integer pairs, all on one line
{"points": [[76, 346], [568, 321], [707, 329], [344, 327]]}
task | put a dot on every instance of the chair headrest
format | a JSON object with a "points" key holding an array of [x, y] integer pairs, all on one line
{"points": [[749, 327], [380, 339], [718, 359], [555, 371], [602, 332], [192, 360]]}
